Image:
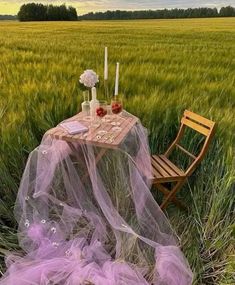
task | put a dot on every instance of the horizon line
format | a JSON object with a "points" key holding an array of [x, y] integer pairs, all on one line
{"points": [[129, 9]]}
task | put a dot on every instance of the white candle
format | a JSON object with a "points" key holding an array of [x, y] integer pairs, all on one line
{"points": [[105, 63], [117, 79]]}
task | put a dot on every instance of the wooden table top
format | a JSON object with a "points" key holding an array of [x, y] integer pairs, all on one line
{"points": [[108, 139]]}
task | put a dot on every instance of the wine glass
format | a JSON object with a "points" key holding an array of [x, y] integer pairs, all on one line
{"points": [[116, 107], [101, 112], [108, 117]]}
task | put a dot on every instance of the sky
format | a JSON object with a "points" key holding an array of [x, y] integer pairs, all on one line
{"points": [[84, 6]]}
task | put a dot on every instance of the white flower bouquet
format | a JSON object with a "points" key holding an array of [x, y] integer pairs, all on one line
{"points": [[89, 78]]}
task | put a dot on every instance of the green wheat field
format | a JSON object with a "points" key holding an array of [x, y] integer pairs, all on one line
{"points": [[166, 66]]}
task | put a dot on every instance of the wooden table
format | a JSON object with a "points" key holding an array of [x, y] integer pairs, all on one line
{"points": [[111, 139]]}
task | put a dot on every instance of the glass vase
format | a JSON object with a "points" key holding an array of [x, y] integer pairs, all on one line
{"points": [[86, 105]]}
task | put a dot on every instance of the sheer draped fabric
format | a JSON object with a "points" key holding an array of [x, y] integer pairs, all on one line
{"points": [[89, 221]]}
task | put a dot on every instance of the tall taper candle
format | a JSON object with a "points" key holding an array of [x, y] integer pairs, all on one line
{"points": [[117, 79], [105, 63]]}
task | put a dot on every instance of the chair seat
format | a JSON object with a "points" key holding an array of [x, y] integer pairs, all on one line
{"points": [[164, 170]]}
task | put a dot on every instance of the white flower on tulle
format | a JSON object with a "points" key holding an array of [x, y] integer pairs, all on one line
{"points": [[27, 198], [26, 223], [53, 229], [43, 221], [68, 252], [84, 212], [55, 244], [89, 78]]}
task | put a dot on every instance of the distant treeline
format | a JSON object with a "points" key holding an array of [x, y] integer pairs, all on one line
{"points": [[40, 12], [8, 17], [161, 14]]}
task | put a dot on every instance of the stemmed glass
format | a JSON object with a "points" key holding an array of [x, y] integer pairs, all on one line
{"points": [[101, 111], [116, 107]]}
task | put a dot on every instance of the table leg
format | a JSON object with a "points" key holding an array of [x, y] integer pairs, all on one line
{"points": [[98, 157]]}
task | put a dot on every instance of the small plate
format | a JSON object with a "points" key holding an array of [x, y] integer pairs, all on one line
{"points": [[116, 129], [87, 118], [101, 132], [115, 123]]}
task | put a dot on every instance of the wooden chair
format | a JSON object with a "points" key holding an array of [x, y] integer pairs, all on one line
{"points": [[164, 171]]}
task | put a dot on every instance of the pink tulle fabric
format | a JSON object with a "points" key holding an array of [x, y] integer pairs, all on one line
{"points": [[88, 222]]}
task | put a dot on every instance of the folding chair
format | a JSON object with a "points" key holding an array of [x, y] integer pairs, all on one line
{"points": [[165, 171]]}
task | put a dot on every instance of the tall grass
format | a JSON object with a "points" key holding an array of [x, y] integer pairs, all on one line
{"points": [[166, 66]]}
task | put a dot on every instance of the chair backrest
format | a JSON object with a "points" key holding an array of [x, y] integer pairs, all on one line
{"points": [[200, 124]]}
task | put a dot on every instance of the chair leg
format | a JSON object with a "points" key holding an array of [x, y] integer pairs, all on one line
{"points": [[172, 193], [166, 192]]}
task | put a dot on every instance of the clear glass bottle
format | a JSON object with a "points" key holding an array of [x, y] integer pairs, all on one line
{"points": [[86, 104], [94, 102]]}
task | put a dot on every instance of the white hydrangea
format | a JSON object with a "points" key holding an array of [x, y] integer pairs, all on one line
{"points": [[89, 78]]}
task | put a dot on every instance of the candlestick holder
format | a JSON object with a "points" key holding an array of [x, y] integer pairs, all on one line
{"points": [[106, 90]]}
